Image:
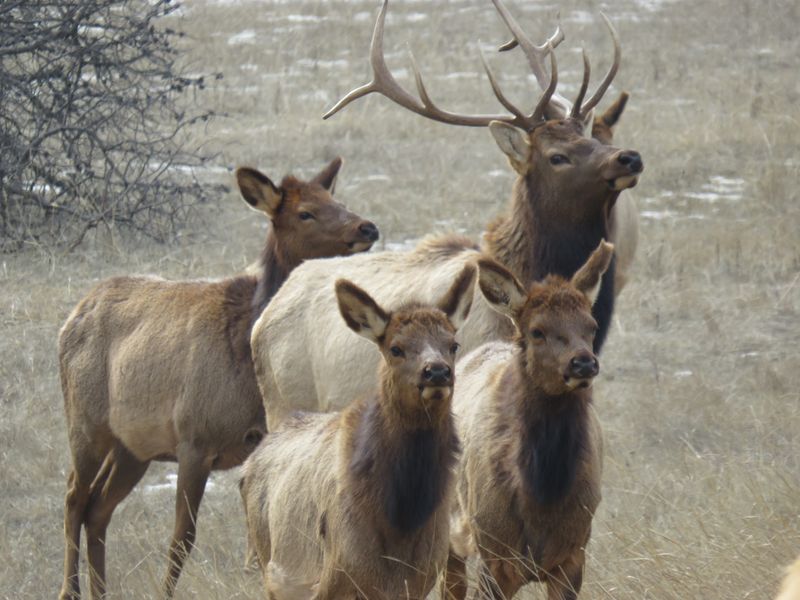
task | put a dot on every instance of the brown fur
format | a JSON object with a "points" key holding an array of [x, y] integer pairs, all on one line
{"points": [[356, 504], [559, 213], [154, 370], [529, 481]]}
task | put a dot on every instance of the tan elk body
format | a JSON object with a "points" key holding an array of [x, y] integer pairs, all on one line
{"points": [[356, 505], [529, 475], [162, 370], [566, 185]]}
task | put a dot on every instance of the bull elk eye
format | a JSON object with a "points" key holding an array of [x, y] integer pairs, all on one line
{"points": [[397, 351], [305, 215], [559, 159], [537, 334]]}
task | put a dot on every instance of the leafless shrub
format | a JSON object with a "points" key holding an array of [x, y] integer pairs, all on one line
{"points": [[91, 121]]}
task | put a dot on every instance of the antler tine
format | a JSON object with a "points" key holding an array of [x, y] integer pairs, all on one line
{"points": [[612, 71], [587, 71], [535, 54], [524, 121], [541, 107], [385, 84]]}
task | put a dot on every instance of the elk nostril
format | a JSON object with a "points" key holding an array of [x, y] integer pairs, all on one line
{"points": [[582, 367], [632, 160], [369, 230], [437, 374]]}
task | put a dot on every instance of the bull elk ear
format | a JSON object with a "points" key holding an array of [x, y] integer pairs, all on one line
{"points": [[514, 144], [458, 299], [502, 290], [327, 177], [603, 127], [361, 313], [258, 191], [587, 279]]}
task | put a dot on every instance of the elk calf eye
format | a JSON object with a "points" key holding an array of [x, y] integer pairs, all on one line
{"points": [[396, 351], [454, 348], [537, 334], [305, 216], [558, 159]]}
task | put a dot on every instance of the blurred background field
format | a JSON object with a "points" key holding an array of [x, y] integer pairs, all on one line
{"points": [[699, 389]]}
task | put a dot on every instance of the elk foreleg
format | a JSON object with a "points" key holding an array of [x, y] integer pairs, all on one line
{"points": [[193, 471], [455, 578], [565, 583]]}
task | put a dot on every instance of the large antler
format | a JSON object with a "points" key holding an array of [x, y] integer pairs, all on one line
{"points": [[385, 84], [535, 55]]}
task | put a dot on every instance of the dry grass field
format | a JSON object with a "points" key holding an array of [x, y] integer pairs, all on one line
{"points": [[700, 386]]}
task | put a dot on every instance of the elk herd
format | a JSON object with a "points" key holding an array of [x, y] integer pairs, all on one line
{"points": [[408, 422]]}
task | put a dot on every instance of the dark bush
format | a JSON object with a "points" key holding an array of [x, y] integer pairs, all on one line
{"points": [[93, 117]]}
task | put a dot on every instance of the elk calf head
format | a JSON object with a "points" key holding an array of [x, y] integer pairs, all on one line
{"points": [[417, 344], [554, 322], [307, 221]]}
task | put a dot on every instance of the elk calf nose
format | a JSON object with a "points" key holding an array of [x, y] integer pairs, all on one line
{"points": [[369, 230], [437, 374], [632, 160], [583, 367]]}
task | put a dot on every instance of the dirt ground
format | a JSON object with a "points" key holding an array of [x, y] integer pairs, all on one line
{"points": [[698, 393]]}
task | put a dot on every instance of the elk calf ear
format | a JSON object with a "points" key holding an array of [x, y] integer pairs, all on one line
{"points": [[361, 313], [514, 144], [258, 191], [587, 279], [458, 299], [327, 177], [502, 290]]}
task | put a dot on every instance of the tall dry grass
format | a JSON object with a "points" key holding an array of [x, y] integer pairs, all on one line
{"points": [[699, 386]]}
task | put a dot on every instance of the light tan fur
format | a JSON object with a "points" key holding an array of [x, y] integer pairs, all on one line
{"points": [[160, 370], [529, 520], [790, 588], [304, 356], [356, 504]]}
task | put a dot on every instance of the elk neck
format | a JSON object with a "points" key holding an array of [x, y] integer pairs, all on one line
{"points": [[538, 237], [552, 433], [275, 268], [402, 472]]}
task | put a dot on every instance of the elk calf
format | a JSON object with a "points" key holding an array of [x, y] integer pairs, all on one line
{"points": [[356, 504], [529, 478], [155, 370]]}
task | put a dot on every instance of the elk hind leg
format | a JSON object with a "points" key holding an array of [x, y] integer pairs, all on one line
{"points": [[193, 472], [85, 467], [120, 473]]}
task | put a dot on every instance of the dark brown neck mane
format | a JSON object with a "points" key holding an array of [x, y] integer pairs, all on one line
{"points": [[554, 437], [274, 271], [406, 471], [536, 239]]}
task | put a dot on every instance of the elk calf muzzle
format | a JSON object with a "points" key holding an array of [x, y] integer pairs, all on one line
{"points": [[583, 367]]}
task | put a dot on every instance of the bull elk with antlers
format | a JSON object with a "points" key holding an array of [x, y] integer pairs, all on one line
{"points": [[565, 188], [160, 370]]}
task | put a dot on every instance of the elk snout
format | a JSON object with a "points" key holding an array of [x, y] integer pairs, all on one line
{"points": [[369, 231], [583, 366], [632, 160], [437, 374]]}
